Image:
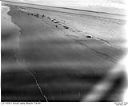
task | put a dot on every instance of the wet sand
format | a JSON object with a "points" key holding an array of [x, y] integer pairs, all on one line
{"points": [[66, 54]]}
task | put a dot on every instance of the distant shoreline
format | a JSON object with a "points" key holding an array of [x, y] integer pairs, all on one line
{"points": [[70, 10]]}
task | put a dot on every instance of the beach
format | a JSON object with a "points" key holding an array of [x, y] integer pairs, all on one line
{"points": [[58, 55]]}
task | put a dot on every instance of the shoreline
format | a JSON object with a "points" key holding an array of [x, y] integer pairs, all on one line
{"points": [[69, 10]]}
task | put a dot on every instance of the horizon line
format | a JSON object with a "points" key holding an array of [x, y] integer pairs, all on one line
{"points": [[67, 7]]}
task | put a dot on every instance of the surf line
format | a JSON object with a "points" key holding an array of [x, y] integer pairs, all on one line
{"points": [[23, 63]]}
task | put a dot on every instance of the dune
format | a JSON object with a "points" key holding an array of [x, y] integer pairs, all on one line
{"points": [[58, 55]]}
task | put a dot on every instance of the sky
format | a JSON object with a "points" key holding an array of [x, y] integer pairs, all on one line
{"points": [[77, 3]]}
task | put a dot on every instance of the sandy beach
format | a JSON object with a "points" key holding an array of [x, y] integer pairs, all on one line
{"points": [[67, 54]]}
